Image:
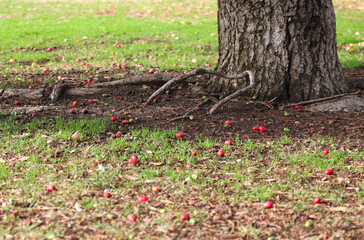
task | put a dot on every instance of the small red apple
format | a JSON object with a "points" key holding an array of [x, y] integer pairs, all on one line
{"points": [[228, 142], [91, 57], [195, 153], [14, 214], [106, 195], [142, 199], [317, 200], [262, 129], [133, 161], [125, 122], [329, 172], [46, 70], [134, 157], [114, 119], [208, 65], [185, 217], [49, 49], [267, 204], [17, 102], [326, 151], [256, 128], [51, 187], [221, 153], [75, 103], [155, 189], [179, 135], [298, 107], [131, 218], [228, 122]]}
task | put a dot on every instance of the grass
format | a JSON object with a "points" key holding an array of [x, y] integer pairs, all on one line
{"points": [[159, 35], [250, 173]]}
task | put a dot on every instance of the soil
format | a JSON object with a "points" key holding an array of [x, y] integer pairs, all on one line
{"points": [[127, 103]]}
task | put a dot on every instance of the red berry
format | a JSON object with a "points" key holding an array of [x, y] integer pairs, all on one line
{"points": [[188, 166], [49, 49], [131, 218], [51, 187], [72, 111], [267, 204], [155, 189], [185, 217], [114, 119], [94, 163], [256, 128], [133, 161], [329, 172], [228, 122], [142, 199], [326, 151], [134, 157], [125, 122], [117, 135], [17, 103], [298, 107], [91, 101], [194, 153], [14, 214], [228, 142], [262, 129], [179, 135], [75, 103], [106, 195], [221, 153], [317, 200]]}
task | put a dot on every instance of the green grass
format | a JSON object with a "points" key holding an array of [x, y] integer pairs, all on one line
{"points": [[251, 172], [169, 31]]}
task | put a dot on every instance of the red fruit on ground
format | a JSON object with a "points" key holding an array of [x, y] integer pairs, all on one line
{"points": [[117, 135], [221, 153], [326, 151], [94, 163], [179, 135], [256, 128], [298, 107], [46, 70], [17, 102], [267, 204], [91, 101], [262, 129], [188, 166], [72, 111], [75, 103], [155, 189], [49, 49], [76, 135], [185, 217], [131, 218], [208, 65], [317, 200], [14, 214], [27, 222], [195, 153], [134, 156], [125, 122], [114, 119], [228, 122], [199, 46], [142, 199], [228, 142], [51, 187], [329, 172], [133, 161], [106, 195], [91, 57]]}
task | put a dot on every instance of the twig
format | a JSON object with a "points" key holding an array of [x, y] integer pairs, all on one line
{"points": [[195, 72], [237, 93], [320, 99], [190, 111]]}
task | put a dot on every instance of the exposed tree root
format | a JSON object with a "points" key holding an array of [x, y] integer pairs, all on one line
{"points": [[199, 71], [320, 99]]}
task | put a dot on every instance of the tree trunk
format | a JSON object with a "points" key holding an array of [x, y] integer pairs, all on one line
{"points": [[290, 46]]}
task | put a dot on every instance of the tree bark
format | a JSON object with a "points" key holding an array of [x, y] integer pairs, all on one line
{"points": [[290, 46]]}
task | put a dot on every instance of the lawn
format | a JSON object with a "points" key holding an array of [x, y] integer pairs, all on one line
{"points": [[122, 171]]}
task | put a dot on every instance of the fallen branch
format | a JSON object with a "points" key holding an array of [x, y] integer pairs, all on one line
{"points": [[237, 93], [196, 72], [186, 115], [139, 79], [320, 99]]}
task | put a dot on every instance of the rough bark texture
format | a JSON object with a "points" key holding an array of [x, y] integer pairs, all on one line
{"points": [[290, 46]]}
